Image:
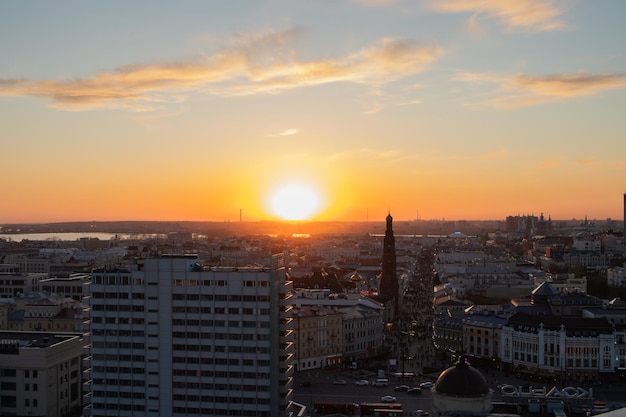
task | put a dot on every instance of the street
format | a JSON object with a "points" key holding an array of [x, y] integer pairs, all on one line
{"points": [[323, 389]]}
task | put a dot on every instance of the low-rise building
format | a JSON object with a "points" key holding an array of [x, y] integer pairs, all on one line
{"points": [[38, 311], [13, 282], [615, 312], [564, 348], [481, 337], [40, 374], [362, 321], [616, 277], [318, 337]]}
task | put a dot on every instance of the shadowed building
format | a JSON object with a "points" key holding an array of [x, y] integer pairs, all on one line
{"points": [[170, 337], [389, 279]]}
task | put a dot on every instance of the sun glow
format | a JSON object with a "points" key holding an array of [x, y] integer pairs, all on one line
{"points": [[295, 202]]}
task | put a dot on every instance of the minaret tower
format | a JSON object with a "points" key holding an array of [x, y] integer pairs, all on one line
{"points": [[389, 279]]}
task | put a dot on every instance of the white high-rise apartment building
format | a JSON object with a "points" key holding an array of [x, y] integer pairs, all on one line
{"points": [[172, 338]]}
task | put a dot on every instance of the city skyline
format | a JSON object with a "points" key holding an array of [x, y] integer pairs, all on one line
{"points": [[349, 110]]}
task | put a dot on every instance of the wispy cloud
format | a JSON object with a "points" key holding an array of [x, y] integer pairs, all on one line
{"points": [[288, 132], [568, 85], [473, 26], [534, 15], [255, 64], [525, 90]]}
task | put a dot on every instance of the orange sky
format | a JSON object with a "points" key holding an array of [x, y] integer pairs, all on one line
{"points": [[451, 109]]}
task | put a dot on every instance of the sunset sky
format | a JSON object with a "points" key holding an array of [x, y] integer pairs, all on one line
{"points": [[202, 110]]}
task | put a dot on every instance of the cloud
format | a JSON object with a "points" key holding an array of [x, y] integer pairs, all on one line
{"points": [[288, 132], [254, 64], [534, 15], [568, 85], [473, 26], [525, 90]]}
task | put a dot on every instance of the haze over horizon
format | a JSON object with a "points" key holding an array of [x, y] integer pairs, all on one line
{"points": [[320, 111]]}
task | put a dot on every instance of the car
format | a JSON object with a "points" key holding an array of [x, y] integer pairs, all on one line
{"points": [[427, 384], [305, 384], [414, 390], [419, 413], [340, 382], [388, 399], [380, 382], [362, 382], [402, 388]]}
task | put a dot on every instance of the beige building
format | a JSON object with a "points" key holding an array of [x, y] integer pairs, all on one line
{"points": [[481, 337], [362, 332], [362, 322], [318, 337], [40, 374], [46, 312]]}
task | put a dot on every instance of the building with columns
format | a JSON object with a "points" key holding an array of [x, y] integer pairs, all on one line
{"points": [[564, 348]]}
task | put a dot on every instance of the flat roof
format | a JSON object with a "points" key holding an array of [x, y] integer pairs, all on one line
{"points": [[33, 339]]}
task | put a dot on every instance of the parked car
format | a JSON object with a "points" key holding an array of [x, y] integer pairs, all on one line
{"points": [[305, 384], [340, 382], [388, 399], [427, 384], [362, 382], [414, 390], [402, 388]]}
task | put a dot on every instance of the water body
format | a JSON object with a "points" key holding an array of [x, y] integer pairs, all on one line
{"points": [[17, 237]]}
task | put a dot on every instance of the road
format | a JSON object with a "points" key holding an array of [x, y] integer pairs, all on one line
{"points": [[323, 389]]}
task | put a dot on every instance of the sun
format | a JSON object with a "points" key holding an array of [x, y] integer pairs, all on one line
{"points": [[295, 202]]}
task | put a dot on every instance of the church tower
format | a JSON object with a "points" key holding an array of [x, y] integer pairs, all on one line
{"points": [[389, 280]]}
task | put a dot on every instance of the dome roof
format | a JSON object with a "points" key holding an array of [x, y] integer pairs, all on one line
{"points": [[462, 380]]}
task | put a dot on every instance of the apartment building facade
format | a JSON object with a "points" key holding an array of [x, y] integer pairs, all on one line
{"points": [[40, 374], [318, 337], [171, 337]]}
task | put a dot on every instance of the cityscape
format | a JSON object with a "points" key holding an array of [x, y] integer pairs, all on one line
{"points": [[267, 324], [347, 208]]}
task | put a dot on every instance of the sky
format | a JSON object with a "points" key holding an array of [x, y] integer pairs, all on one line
{"points": [[329, 110]]}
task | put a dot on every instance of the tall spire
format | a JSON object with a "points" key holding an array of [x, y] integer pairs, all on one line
{"points": [[389, 280]]}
